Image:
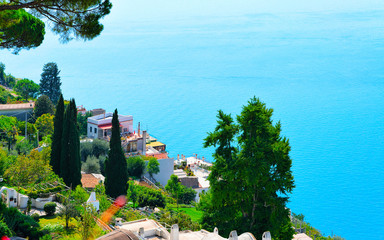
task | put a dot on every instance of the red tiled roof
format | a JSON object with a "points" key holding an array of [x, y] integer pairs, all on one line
{"points": [[159, 155], [89, 181], [18, 106]]}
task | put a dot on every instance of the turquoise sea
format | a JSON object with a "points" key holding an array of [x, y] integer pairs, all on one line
{"points": [[322, 73]]}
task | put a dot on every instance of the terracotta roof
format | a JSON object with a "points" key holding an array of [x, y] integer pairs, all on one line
{"points": [[19, 106], [159, 155], [119, 234], [301, 236], [89, 181]]}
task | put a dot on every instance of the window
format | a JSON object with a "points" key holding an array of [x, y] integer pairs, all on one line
{"points": [[95, 130], [90, 129]]}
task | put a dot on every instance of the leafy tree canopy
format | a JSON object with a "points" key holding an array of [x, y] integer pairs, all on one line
{"points": [[29, 170], [82, 121], [92, 165], [69, 18], [45, 124], [5, 96], [8, 126], [43, 105], [135, 166], [27, 88], [149, 197], [153, 166], [251, 176], [181, 193]]}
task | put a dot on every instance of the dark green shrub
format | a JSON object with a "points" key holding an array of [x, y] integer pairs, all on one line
{"points": [[46, 237], [187, 195], [4, 230], [35, 217], [136, 166], [23, 147], [20, 224], [50, 208], [150, 197]]}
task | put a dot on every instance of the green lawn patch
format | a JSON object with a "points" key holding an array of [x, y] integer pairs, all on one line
{"points": [[45, 220], [195, 214]]}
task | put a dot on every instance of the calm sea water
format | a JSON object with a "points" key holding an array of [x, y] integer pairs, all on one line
{"points": [[322, 73]]}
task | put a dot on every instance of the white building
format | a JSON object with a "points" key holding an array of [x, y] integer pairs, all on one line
{"points": [[100, 126], [148, 229], [166, 170]]}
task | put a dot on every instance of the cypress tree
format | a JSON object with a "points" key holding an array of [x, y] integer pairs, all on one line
{"points": [[75, 142], [116, 174], [70, 165], [56, 137]]}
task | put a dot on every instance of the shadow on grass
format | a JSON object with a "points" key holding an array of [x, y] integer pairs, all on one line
{"points": [[48, 217]]}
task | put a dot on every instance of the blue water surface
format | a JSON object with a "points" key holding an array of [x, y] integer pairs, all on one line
{"points": [[322, 73]]}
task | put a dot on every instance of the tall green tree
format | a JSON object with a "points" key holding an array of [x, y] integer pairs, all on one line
{"points": [[251, 176], [57, 136], [43, 105], [27, 88], [70, 19], [2, 73], [116, 173], [70, 163], [50, 82]]}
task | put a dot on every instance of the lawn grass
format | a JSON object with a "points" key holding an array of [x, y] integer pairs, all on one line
{"points": [[195, 214], [72, 232], [45, 220]]}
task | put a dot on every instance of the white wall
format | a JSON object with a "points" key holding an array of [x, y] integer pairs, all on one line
{"points": [[128, 125], [166, 170], [92, 134]]}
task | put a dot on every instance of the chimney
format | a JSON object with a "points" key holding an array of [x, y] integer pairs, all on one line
{"points": [[233, 235], [174, 232], [216, 231], [144, 142], [141, 232], [267, 236], [138, 129], [178, 157]]}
